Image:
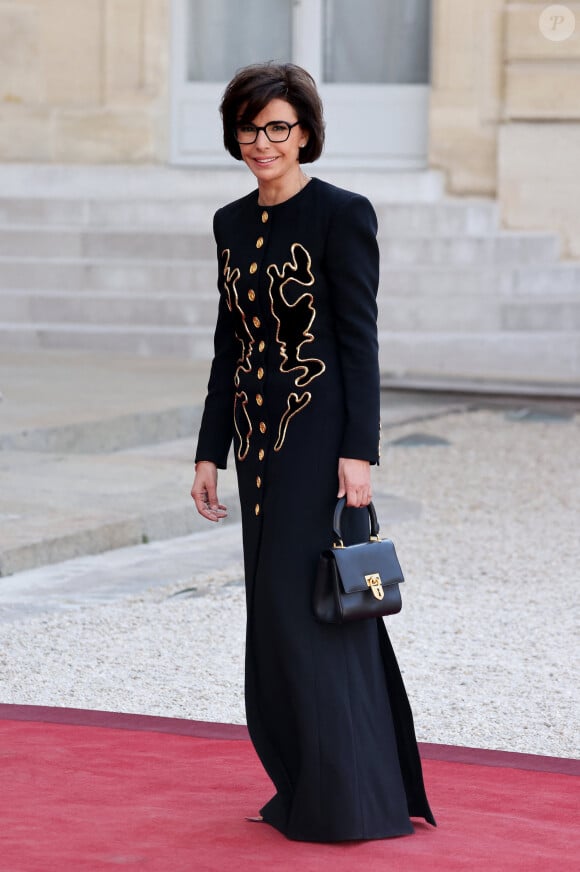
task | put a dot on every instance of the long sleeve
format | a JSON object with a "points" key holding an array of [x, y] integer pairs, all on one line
{"points": [[352, 267], [216, 430]]}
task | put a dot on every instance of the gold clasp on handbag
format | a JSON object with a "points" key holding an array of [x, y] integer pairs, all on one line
{"points": [[375, 584]]}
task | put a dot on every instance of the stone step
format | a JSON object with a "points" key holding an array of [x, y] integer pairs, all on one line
{"points": [[194, 343], [539, 356], [177, 274], [512, 248], [518, 354], [137, 182], [110, 213], [200, 276], [541, 315], [459, 217], [477, 313], [99, 275], [65, 537], [558, 398], [558, 280], [141, 245], [136, 496], [73, 402], [448, 218], [108, 308], [114, 432], [145, 246]]}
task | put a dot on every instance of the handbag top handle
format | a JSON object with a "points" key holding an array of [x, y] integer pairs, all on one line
{"points": [[374, 531]]}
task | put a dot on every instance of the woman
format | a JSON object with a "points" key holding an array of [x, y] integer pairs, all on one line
{"points": [[295, 383]]}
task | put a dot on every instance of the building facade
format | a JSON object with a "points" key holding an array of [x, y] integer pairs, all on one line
{"points": [[485, 90]]}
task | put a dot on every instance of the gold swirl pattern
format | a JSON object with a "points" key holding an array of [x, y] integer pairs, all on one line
{"points": [[294, 320], [293, 323], [294, 404], [241, 328], [241, 412], [293, 330]]}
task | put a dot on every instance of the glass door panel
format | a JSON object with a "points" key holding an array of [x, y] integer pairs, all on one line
{"points": [[224, 35], [373, 42]]}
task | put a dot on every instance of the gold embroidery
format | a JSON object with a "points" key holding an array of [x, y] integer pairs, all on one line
{"points": [[298, 270], [293, 330], [245, 338], [241, 401], [294, 405]]}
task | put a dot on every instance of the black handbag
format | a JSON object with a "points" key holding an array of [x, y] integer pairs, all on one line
{"points": [[357, 581]]}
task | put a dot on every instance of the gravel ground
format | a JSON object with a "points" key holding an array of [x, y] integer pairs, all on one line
{"points": [[487, 639]]}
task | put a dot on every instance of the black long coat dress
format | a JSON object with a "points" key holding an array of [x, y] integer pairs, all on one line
{"points": [[295, 383]]}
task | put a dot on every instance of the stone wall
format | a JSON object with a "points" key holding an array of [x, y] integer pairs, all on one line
{"points": [[538, 181], [466, 96], [87, 81], [83, 80], [505, 110]]}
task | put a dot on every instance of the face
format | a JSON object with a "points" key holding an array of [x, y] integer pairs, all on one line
{"points": [[275, 161]]}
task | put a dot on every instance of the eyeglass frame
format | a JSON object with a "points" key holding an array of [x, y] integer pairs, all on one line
{"points": [[258, 129]]}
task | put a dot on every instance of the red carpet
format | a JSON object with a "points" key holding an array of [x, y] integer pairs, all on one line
{"points": [[91, 791]]}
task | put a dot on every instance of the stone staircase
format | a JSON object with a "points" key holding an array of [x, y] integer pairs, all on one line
{"points": [[459, 298]]}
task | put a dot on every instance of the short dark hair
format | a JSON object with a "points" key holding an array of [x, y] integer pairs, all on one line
{"points": [[254, 86]]}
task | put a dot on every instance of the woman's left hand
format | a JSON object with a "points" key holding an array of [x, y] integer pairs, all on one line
{"points": [[354, 481]]}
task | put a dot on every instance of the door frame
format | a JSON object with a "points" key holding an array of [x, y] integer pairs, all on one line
{"points": [[404, 145]]}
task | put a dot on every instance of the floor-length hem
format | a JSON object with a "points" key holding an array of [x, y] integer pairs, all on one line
{"points": [[323, 838]]}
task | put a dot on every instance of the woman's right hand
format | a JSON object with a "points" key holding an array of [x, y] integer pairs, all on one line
{"points": [[204, 491]]}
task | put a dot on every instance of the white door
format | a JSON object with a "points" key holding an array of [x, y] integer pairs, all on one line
{"points": [[370, 59]]}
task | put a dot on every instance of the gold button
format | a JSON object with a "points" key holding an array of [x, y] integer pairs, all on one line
{"points": [[265, 217], [259, 241], [257, 509], [258, 481], [260, 372], [261, 454], [262, 345], [251, 296], [262, 427], [259, 399], [253, 268], [256, 321]]}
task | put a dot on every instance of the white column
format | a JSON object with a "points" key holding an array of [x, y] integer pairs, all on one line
{"points": [[307, 37]]}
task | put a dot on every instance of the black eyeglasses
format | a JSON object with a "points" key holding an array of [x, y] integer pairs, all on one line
{"points": [[276, 131]]}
